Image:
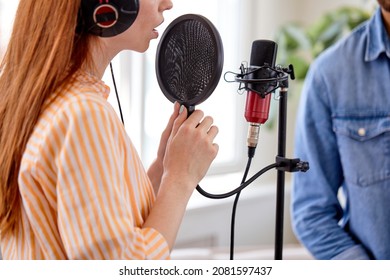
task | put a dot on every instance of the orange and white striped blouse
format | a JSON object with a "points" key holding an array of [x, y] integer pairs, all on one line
{"points": [[85, 192]]}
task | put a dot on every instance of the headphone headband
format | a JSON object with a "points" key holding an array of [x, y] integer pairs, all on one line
{"points": [[107, 18]]}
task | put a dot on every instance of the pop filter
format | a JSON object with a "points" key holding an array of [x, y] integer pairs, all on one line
{"points": [[189, 60]]}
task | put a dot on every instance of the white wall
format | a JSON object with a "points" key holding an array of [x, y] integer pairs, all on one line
{"points": [[270, 14]]}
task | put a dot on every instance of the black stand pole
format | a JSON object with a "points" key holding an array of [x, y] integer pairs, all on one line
{"points": [[279, 221]]}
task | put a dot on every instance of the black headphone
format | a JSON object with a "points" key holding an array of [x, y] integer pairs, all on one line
{"points": [[106, 18]]}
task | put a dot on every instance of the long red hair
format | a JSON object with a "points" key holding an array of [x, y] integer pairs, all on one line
{"points": [[43, 44]]}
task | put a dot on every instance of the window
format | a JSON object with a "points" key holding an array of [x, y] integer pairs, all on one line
{"points": [[7, 11]]}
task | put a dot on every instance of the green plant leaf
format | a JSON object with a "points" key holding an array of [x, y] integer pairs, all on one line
{"points": [[299, 46]]}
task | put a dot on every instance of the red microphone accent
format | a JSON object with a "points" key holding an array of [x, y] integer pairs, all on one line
{"points": [[257, 107]]}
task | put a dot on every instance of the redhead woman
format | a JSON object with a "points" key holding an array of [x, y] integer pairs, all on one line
{"points": [[72, 185]]}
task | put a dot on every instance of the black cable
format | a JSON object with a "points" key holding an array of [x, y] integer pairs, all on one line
{"points": [[239, 188], [237, 192], [116, 93], [234, 209], [233, 225]]}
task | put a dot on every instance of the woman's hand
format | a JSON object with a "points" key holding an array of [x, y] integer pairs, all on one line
{"points": [[186, 152], [190, 149]]}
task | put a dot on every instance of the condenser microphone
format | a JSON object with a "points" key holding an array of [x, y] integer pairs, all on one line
{"points": [[263, 56]]}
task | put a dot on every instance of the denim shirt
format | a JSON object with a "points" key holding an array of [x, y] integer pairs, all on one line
{"points": [[343, 131]]}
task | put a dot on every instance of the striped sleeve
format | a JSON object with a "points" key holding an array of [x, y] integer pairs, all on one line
{"points": [[100, 211]]}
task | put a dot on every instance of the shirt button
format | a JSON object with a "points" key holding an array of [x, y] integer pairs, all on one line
{"points": [[362, 131]]}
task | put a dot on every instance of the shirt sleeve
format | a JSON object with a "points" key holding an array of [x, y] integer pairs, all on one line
{"points": [[96, 209], [316, 210]]}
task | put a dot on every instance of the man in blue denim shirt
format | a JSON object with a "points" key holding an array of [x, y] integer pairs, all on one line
{"points": [[343, 131]]}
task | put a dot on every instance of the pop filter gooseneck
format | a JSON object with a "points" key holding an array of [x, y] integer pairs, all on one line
{"points": [[189, 60]]}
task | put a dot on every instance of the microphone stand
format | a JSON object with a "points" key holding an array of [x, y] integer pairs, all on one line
{"points": [[283, 165], [280, 183]]}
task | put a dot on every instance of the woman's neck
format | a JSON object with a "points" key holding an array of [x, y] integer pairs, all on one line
{"points": [[101, 57]]}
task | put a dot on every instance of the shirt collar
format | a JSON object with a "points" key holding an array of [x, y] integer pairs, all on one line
{"points": [[101, 88], [378, 39]]}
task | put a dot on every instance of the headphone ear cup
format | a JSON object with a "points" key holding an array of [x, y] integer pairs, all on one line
{"points": [[107, 18]]}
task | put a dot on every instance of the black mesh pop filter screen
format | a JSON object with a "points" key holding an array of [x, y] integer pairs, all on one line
{"points": [[189, 60]]}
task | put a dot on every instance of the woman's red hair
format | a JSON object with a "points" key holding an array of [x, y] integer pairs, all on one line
{"points": [[43, 44]]}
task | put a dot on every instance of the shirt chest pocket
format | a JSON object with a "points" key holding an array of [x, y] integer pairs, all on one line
{"points": [[364, 147]]}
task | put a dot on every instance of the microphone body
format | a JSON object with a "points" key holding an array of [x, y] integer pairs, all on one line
{"points": [[258, 100], [257, 107]]}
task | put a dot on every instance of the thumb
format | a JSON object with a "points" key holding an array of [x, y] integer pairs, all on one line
{"points": [[180, 119]]}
